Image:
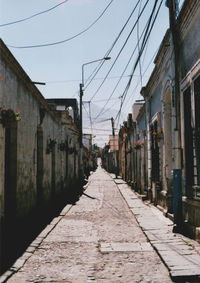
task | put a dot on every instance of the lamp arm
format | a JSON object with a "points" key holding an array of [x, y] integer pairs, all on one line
{"points": [[91, 62]]}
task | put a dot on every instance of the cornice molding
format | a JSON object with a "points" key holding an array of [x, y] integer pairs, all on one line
{"points": [[189, 13]]}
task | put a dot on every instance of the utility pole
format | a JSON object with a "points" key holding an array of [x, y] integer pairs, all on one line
{"points": [[90, 114], [114, 152], [81, 132], [81, 118], [113, 128], [174, 28], [177, 190]]}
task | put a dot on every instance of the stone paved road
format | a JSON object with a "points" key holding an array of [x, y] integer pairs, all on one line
{"points": [[98, 240]]}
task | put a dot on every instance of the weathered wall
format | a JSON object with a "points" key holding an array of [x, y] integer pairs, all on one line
{"points": [[156, 104], [190, 69], [160, 97], [190, 37], [1, 172], [40, 175]]}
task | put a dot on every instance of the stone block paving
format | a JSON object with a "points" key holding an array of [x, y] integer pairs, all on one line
{"points": [[180, 254], [100, 240]]}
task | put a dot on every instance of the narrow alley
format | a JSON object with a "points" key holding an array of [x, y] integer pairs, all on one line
{"points": [[99, 240], [100, 141]]}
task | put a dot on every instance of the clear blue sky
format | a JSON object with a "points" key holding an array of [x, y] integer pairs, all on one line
{"points": [[60, 65]]}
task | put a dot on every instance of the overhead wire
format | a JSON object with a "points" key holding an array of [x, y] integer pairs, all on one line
{"points": [[145, 39], [126, 90], [146, 36], [151, 60], [94, 73], [78, 80], [138, 41], [89, 114], [149, 64], [91, 75], [106, 110], [122, 48], [85, 109], [67, 39], [130, 58], [34, 15], [100, 100], [90, 117], [143, 74]]}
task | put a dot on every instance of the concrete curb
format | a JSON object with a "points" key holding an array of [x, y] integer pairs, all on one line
{"points": [[19, 263], [177, 252]]}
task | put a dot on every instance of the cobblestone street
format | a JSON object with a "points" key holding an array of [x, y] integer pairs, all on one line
{"points": [[96, 240], [75, 250], [100, 141]]}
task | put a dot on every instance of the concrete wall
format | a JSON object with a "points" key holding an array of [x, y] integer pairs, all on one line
{"points": [[39, 177], [190, 69], [2, 172], [190, 36], [160, 107], [156, 104]]}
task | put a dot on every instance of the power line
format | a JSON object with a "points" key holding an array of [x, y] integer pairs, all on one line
{"points": [[143, 74], [78, 80], [138, 41], [146, 36], [86, 110], [100, 100], [34, 15], [145, 40], [152, 58], [106, 110], [90, 116], [94, 73], [67, 39], [122, 73], [128, 37]]}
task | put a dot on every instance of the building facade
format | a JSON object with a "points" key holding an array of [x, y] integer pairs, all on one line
{"points": [[159, 155], [172, 124], [39, 148]]}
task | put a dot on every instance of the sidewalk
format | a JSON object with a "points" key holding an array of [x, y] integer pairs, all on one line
{"points": [[99, 240], [180, 254]]}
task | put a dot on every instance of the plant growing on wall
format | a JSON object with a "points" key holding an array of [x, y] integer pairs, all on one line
{"points": [[50, 145], [137, 145], [18, 115], [158, 135], [128, 150], [7, 116], [63, 145]]}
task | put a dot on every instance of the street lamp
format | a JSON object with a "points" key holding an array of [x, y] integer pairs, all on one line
{"points": [[81, 116], [91, 62]]}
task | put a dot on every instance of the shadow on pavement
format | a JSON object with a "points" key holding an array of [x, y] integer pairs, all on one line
{"points": [[17, 235]]}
